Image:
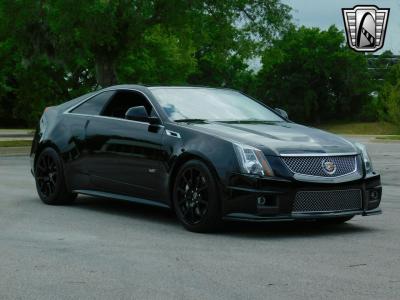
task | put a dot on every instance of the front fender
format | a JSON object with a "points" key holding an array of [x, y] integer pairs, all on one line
{"points": [[217, 153]]}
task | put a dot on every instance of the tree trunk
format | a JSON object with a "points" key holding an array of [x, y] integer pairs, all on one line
{"points": [[105, 71]]}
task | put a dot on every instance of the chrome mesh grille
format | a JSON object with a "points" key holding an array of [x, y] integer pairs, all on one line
{"points": [[313, 165], [327, 201]]}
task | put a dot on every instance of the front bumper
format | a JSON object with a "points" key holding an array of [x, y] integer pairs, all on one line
{"points": [[250, 198]]}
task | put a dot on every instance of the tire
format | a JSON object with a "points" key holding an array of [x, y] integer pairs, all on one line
{"points": [[335, 221], [196, 198], [50, 180]]}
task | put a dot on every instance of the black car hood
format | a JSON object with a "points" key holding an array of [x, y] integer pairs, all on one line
{"points": [[276, 138]]}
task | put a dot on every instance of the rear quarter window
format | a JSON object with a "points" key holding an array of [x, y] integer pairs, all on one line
{"points": [[95, 105]]}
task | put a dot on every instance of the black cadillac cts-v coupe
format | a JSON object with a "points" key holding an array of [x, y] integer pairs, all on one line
{"points": [[209, 154]]}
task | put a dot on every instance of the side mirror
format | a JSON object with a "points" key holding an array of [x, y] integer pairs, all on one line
{"points": [[282, 113], [139, 113]]}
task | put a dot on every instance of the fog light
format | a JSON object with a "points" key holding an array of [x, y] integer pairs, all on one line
{"points": [[267, 201], [374, 195], [261, 200]]}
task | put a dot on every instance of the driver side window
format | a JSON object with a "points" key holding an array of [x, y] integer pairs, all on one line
{"points": [[124, 100]]}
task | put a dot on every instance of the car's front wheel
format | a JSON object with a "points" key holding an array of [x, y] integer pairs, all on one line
{"points": [[196, 197], [50, 181]]}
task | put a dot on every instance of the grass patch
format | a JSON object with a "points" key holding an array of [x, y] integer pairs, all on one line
{"points": [[17, 129], [389, 137], [17, 143], [362, 128]]}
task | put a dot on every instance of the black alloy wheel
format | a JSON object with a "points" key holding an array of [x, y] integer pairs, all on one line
{"points": [[50, 182], [46, 175], [196, 198]]}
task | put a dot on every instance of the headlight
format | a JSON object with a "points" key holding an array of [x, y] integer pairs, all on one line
{"points": [[365, 157], [42, 124], [252, 160]]}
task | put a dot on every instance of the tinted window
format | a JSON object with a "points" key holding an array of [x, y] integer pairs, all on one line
{"points": [[122, 101], [211, 104], [95, 105]]}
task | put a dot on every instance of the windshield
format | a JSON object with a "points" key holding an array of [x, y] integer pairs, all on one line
{"points": [[211, 104]]}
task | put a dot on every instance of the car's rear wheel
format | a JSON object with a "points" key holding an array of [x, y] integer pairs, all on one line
{"points": [[50, 181], [196, 198]]}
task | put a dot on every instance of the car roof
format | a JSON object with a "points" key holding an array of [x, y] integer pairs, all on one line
{"points": [[151, 87], [126, 86]]}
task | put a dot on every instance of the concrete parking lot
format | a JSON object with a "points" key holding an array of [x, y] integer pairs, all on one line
{"points": [[105, 249]]}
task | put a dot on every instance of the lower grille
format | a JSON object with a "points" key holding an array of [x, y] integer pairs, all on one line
{"points": [[327, 201]]}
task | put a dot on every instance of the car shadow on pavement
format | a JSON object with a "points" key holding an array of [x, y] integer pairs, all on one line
{"points": [[294, 229], [127, 209], [234, 229]]}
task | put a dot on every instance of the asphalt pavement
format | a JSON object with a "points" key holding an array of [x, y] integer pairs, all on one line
{"points": [[106, 249]]}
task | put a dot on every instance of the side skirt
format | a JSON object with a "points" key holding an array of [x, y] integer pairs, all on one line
{"points": [[121, 197]]}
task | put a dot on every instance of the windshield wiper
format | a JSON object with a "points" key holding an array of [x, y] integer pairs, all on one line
{"points": [[191, 120], [247, 121]]}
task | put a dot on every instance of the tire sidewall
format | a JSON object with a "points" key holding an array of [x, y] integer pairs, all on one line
{"points": [[60, 177], [213, 216]]}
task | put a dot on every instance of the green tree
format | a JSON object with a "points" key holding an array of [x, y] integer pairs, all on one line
{"points": [[379, 65], [389, 96], [54, 50], [393, 103], [200, 32], [229, 34], [160, 59], [312, 74], [34, 74]]}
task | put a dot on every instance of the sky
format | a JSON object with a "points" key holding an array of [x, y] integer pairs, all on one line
{"points": [[323, 13]]}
